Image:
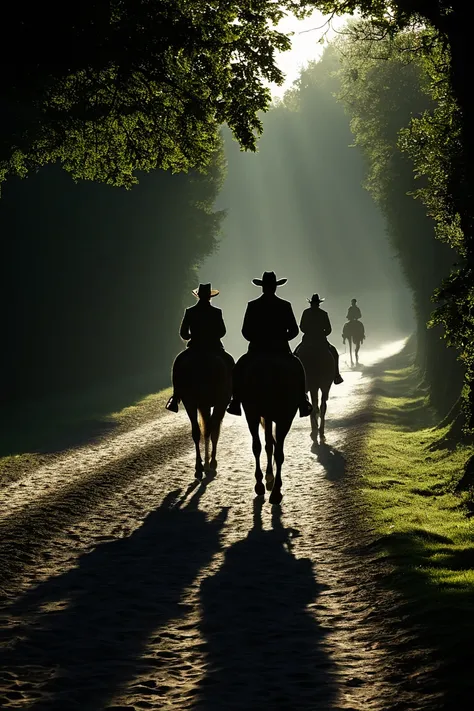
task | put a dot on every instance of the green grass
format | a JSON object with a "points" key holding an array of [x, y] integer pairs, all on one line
{"points": [[408, 482]]}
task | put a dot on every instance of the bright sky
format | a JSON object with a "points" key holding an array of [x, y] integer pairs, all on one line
{"points": [[305, 46]]}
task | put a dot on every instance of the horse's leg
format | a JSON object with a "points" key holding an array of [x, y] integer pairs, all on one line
{"points": [[253, 421], [314, 415], [281, 430], [196, 432], [350, 349], [357, 348], [324, 407], [216, 421], [206, 431], [269, 444]]}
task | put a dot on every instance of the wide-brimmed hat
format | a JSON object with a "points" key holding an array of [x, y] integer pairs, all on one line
{"points": [[315, 299], [269, 279], [205, 291]]}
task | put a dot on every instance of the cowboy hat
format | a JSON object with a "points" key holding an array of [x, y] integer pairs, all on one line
{"points": [[204, 290], [315, 299], [268, 279]]}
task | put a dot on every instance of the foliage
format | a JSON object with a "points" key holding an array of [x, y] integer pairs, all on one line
{"points": [[386, 87], [442, 145], [98, 278], [130, 85]]}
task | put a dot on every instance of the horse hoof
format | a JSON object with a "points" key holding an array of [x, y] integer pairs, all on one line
{"points": [[198, 474], [213, 465], [275, 497], [259, 488]]}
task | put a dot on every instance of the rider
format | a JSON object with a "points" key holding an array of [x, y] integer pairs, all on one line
{"points": [[353, 312], [269, 323], [202, 327], [315, 325]]}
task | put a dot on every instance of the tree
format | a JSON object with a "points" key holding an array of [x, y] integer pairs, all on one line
{"points": [[386, 87], [96, 279], [120, 86]]}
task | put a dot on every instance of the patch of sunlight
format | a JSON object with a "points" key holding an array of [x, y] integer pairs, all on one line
{"points": [[144, 408]]}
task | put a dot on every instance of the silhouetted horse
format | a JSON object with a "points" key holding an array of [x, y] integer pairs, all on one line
{"points": [[204, 383], [354, 333], [320, 370], [270, 395]]}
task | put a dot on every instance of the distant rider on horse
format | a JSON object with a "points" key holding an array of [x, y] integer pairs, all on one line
{"points": [[316, 326], [269, 323], [202, 327], [353, 311]]}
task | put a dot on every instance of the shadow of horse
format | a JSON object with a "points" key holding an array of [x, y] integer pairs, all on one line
{"points": [[332, 461], [105, 612], [263, 646]]}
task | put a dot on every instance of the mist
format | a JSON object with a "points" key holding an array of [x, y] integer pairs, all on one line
{"points": [[299, 207]]}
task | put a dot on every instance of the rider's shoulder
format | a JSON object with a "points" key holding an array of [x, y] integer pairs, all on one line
{"points": [[287, 304]]}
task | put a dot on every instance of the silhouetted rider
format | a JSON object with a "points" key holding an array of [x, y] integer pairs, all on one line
{"points": [[316, 326], [269, 323], [353, 311], [202, 327]]}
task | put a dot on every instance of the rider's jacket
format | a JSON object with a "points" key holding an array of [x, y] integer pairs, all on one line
{"points": [[353, 312], [269, 323], [315, 325], [203, 326]]}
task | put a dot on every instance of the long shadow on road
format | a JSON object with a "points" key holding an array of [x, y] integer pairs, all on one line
{"points": [[118, 597], [264, 648]]}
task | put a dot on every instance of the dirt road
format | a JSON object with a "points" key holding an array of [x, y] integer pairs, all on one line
{"points": [[128, 585]]}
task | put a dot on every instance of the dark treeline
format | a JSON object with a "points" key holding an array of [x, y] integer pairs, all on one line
{"points": [[95, 278], [382, 96]]}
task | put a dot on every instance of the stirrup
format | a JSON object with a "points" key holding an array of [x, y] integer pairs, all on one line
{"points": [[338, 379]]}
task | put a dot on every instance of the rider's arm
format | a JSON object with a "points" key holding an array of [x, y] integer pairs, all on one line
{"points": [[292, 329], [247, 330], [304, 322], [221, 326], [327, 327], [184, 331]]}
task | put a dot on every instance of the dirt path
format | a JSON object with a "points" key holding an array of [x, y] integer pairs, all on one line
{"points": [[126, 585]]}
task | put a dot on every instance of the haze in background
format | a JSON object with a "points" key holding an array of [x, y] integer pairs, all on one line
{"points": [[298, 207]]}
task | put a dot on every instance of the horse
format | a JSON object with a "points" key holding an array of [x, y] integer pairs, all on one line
{"points": [[270, 397], [320, 370], [203, 381], [354, 333]]}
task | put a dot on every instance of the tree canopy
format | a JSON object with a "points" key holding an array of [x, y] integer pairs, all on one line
{"points": [[129, 85]]}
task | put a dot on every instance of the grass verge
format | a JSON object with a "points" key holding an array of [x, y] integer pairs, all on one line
{"points": [[424, 527], [45, 428]]}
